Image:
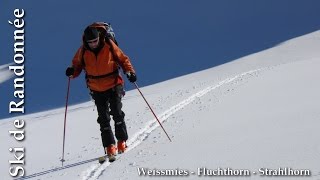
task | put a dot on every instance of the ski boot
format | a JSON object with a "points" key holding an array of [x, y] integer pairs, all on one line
{"points": [[122, 146], [111, 152]]}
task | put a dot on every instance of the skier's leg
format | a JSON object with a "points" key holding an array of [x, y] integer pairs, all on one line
{"points": [[101, 100], [118, 114]]}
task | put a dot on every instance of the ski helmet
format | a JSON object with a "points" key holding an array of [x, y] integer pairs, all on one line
{"points": [[91, 33]]}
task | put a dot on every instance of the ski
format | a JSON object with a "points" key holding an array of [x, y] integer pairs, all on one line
{"points": [[121, 149], [103, 158]]}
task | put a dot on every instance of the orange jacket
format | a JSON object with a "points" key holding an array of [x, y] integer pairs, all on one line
{"points": [[103, 65]]}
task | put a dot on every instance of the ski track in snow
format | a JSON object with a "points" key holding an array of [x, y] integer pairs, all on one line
{"points": [[96, 170]]}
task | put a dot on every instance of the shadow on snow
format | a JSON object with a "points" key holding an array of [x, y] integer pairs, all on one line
{"points": [[57, 169]]}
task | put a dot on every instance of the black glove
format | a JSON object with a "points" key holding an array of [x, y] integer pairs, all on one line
{"points": [[132, 77], [69, 71]]}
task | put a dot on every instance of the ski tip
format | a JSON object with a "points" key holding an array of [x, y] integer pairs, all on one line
{"points": [[111, 158], [102, 159]]}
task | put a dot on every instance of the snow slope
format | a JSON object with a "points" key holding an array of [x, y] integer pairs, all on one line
{"points": [[260, 111], [5, 73]]}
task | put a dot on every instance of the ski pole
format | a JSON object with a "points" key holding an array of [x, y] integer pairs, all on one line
{"points": [[65, 121], [151, 110]]}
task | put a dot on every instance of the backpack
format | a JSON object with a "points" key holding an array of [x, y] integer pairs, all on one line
{"points": [[105, 31]]}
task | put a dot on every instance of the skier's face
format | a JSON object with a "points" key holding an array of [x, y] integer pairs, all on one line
{"points": [[93, 43]]}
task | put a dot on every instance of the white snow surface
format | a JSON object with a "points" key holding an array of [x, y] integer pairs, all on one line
{"points": [[259, 111], [5, 73]]}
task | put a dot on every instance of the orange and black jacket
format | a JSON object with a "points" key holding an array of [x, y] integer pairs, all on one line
{"points": [[101, 68]]}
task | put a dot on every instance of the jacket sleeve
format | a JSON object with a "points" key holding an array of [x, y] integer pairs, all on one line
{"points": [[123, 59], [77, 62]]}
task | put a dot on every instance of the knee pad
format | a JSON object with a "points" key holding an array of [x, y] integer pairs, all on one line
{"points": [[103, 120]]}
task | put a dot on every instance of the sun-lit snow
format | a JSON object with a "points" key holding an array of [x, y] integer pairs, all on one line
{"points": [[5, 73]]}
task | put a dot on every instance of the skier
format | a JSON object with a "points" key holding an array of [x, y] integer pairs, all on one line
{"points": [[100, 57]]}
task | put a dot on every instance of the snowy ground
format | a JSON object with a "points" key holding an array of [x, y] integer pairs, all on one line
{"points": [[260, 111]]}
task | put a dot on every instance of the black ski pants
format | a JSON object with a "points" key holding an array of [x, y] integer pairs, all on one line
{"points": [[109, 104]]}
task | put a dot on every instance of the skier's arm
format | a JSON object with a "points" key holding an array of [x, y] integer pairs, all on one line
{"points": [[123, 59], [77, 63]]}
